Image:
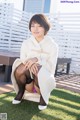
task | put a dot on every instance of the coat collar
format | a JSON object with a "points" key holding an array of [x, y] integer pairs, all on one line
{"points": [[38, 43]]}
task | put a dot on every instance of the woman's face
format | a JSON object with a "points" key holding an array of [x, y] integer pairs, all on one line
{"points": [[37, 30]]}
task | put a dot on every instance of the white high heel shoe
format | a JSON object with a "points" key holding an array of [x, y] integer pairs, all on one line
{"points": [[16, 101], [41, 107]]}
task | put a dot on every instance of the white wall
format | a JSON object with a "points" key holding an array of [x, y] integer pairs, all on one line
{"points": [[53, 6], [18, 4], [68, 6]]}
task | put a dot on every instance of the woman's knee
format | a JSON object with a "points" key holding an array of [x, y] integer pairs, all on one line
{"points": [[19, 70], [16, 74]]}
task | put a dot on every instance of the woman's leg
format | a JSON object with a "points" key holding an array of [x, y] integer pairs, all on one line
{"points": [[22, 78], [42, 102]]}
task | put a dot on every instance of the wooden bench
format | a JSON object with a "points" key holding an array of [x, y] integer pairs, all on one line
{"points": [[7, 58]]}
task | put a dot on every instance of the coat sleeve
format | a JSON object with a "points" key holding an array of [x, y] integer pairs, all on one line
{"points": [[51, 61]]}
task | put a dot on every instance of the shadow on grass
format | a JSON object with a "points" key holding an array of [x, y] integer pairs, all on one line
{"points": [[64, 94], [66, 101], [65, 104], [27, 110], [64, 110]]}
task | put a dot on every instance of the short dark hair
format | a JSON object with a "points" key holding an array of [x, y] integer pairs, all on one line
{"points": [[42, 20]]}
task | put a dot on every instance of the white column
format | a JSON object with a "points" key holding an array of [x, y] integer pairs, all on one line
{"points": [[18, 4], [53, 6]]}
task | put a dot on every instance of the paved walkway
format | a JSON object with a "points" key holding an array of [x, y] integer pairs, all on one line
{"points": [[5, 87], [69, 82]]}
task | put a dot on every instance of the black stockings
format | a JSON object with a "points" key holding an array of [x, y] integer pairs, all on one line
{"points": [[22, 79]]}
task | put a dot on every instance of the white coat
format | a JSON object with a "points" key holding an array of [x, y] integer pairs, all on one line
{"points": [[47, 52]]}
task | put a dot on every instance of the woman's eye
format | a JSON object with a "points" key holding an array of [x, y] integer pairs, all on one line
{"points": [[32, 25], [39, 26], [36, 26]]}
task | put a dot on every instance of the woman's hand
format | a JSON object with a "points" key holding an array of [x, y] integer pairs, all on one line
{"points": [[34, 69], [30, 62]]}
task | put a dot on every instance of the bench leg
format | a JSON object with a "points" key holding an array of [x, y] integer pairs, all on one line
{"points": [[56, 69], [68, 68], [7, 76]]}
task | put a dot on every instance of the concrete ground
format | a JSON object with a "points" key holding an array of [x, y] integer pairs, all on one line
{"points": [[69, 82], [4, 86]]}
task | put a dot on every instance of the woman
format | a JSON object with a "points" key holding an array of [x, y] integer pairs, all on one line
{"points": [[37, 63]]}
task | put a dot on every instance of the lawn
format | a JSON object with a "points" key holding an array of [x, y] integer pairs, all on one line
{"points": [[63, 105]]}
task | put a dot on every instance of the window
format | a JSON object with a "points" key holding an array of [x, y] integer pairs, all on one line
{"points": [[34, 6]]}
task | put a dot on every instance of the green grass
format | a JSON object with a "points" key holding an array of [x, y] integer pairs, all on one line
{"points": [[63, 105]]}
